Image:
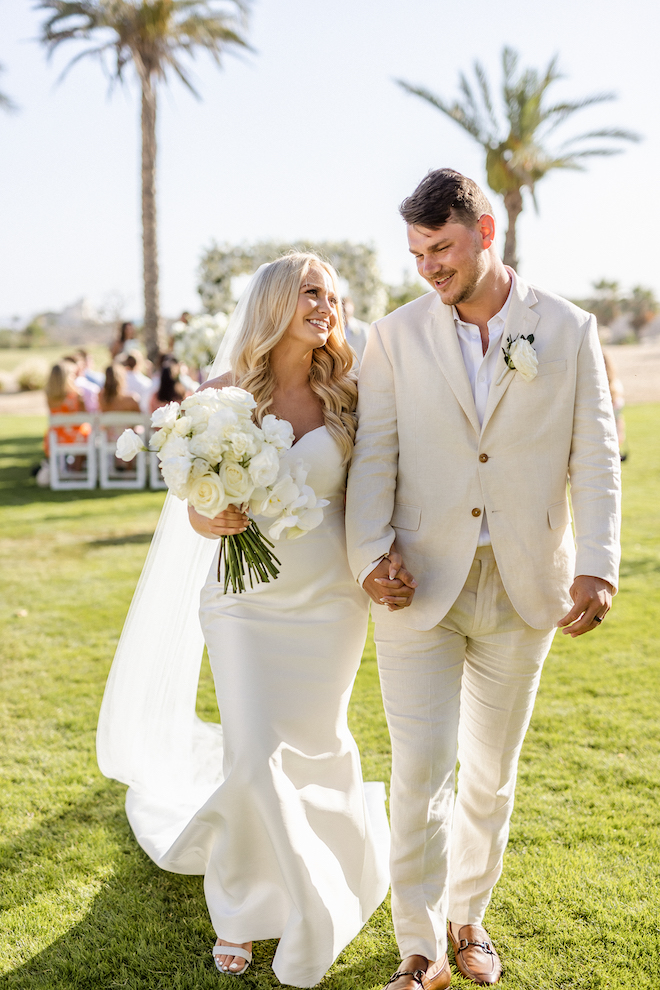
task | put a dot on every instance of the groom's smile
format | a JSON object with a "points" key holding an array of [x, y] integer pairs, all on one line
{"points": [[450, 259]]}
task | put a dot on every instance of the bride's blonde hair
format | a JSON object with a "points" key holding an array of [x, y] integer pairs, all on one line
{"points": [[270, 310]]}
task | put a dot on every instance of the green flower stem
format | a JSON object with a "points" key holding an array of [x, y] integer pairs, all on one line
{"points": [[246, 553]]}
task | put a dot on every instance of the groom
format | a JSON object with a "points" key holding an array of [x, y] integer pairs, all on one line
{"points": [[461, 467]]}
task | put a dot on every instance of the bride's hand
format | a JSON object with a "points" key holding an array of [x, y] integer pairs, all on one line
{"points": [[391, 583], [227, 523]]}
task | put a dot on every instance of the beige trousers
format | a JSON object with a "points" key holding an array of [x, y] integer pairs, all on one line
{"points": [[464, 689]]}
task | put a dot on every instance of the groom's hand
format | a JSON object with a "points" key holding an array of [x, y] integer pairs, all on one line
{"points": [[390, 583], [593, 600]]}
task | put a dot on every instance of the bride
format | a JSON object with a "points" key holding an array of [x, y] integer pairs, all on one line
{"points": [[270, 807]]}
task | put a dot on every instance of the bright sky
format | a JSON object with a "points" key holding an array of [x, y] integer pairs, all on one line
{"points": [[310, 137]]}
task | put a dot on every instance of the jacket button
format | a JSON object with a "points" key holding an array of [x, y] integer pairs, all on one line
{"points": [[483, 458], [476, 512]]}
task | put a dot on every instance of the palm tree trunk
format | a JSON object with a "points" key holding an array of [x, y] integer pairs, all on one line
{"points": [[152, 324], [514, 203]]}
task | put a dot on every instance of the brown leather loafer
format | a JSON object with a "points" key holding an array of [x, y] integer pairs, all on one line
{"points": [[410, 977], [437, 976], [475, 955]]}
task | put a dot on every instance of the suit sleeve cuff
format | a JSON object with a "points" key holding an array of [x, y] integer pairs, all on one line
{"points": [[364, 574]]}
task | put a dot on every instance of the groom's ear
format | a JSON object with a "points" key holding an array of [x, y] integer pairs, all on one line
{"points": [[486, 229]]}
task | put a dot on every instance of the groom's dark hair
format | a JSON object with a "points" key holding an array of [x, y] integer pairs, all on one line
{"points": [[443, 195]]}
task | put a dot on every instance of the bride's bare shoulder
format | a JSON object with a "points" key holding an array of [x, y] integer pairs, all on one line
{"points": [[221, 382]]}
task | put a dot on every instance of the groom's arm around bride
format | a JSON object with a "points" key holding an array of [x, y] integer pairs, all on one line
{"points": [[462, 460]]}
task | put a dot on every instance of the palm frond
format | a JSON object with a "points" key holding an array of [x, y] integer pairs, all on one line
{"points": [[482, 79], [613, 133], [455, 112]]}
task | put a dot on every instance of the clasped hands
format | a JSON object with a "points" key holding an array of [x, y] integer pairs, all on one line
{"points": [[390, 583]]}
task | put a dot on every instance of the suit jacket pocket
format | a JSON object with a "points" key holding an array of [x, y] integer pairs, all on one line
{"points": [[406, 516], [559, 515], [552, 367]]}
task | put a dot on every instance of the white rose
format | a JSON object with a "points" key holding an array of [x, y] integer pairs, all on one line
{"points": [[128, 445], [209, 398], [524, 359], [158, 439], [176, 473], [243, 444], [279, 432], [236, 481], [207, 495], [198, 467], [175, 447], [238, 397], [210, 447], [182, 426], [165, 416], [264, 466]]}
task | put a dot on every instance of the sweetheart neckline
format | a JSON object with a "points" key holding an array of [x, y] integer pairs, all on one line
{"points": [[300, 439]]}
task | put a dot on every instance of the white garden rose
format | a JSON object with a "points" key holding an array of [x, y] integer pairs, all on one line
{"points": [[236, 481], [158, 438], [264, 466], [238, 398], [208, 446], [183, 426], [279, 432], [175, 447], [523, 357], [176, 474], [128, 445], [208, 398], [207, 495], [165, 416], [243, 444]]}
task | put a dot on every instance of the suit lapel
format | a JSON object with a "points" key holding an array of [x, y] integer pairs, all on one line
{"points": [[520, 320], [443, 341]]}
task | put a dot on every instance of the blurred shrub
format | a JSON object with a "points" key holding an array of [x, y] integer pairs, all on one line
{"points": [[32, 375]]}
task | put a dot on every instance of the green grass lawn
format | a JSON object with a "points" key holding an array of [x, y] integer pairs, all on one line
{"points": [[578, 905]]}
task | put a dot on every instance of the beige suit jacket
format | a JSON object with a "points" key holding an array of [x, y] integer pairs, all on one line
{"points": [[423, 470]]}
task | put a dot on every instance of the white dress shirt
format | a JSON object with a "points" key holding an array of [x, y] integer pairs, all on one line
{"points": [[481, 369]]}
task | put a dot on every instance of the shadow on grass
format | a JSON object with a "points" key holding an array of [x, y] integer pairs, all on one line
{"points": [[145, 929], [118, 541]]}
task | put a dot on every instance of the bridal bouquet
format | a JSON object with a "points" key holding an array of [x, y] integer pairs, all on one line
{"points": [[213, 454]]}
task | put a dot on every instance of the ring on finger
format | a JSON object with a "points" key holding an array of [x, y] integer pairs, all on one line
{"points": [[598, 618]]}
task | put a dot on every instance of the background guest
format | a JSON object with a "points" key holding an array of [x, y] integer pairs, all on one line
{"points": [[137, 383], [88, 389], [63, 397], [114, 396], [170, 388], [126, 341], [86, 363]]}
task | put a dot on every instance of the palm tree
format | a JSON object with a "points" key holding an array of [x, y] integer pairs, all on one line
{"points": [[150, 34], [520, 158]]}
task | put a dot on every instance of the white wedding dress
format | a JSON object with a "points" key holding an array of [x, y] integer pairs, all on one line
{"points": [[272, 809]]}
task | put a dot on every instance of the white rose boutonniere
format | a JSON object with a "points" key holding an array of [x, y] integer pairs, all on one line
{"points": [[520, 356]]}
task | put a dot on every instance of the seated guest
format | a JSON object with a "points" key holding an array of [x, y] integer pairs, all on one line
{"points": [[137, 382], [63, 397], [88, 389], [114, 396], [171, 388], [86, 364]]}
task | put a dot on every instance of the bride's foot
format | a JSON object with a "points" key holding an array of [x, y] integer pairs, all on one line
{"points": [[233, 963]]}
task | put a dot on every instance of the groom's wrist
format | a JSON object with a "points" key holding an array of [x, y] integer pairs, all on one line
{"points": [[364, 574]]}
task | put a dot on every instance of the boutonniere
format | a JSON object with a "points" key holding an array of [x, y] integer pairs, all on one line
{"points": [[520, 356]]}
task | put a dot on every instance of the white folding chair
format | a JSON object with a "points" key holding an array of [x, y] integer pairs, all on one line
{"points": [[131, 474], [63, 473], [155, 477]]}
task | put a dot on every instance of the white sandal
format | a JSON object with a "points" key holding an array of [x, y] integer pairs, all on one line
{"points": [[231, 950]]}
